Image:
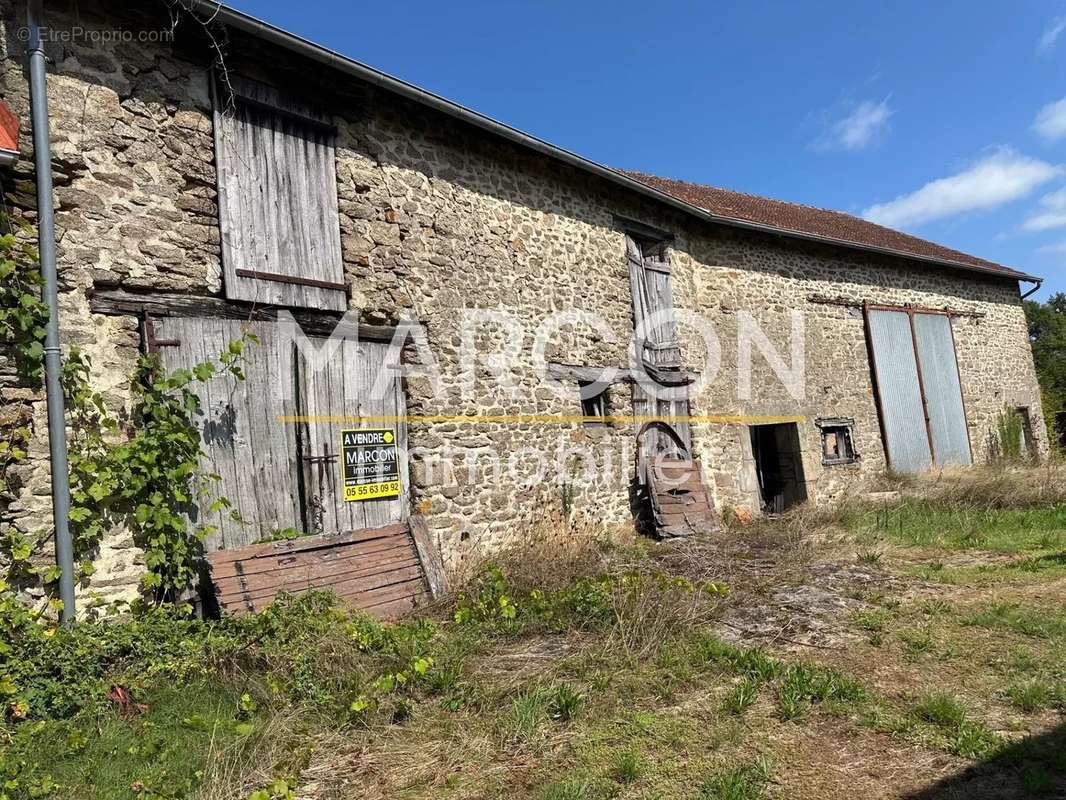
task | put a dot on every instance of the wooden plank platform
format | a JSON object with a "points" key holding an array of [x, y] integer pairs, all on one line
{"points": [[681, 504], [385, 571]]}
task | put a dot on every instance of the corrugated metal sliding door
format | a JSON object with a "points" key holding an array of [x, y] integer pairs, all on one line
{"points": [[902, 409], [338, 393], [919, 389], [943, 389], [246, 446]]}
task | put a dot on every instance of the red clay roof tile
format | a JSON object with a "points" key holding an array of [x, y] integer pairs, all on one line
{"points": [[811, 221]]}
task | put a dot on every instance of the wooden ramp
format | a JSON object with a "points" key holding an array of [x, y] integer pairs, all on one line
{"points": [[681, 504], [385, 571]]}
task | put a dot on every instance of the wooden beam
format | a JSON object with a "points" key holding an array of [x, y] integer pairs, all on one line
{"points": [[581, 373], [847, 302], [432, 565], [118, 302], [642, 230]]}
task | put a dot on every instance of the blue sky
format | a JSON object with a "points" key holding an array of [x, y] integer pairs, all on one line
{"points": [[944, 119]]}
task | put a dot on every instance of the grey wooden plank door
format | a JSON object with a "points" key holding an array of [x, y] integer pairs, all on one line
{"points": [[899, 390], [657, 347], [252, 452], [352, 388], [277, 191], [943, 389]]}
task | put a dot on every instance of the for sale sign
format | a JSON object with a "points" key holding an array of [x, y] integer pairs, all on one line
{"points": [[371, 464]]}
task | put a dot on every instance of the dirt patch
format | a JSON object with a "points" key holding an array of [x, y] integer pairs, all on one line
{"points": [[827, 759]]}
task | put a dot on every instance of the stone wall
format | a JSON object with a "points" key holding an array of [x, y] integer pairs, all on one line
{"points": [[438, 219]]}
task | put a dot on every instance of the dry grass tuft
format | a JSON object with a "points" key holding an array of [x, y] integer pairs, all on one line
{"points": [[994, 487], [280, 748], [551, 551], [651, 608]]}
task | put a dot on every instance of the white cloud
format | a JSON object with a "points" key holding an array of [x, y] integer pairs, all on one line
{"points": [[994, 180], [859, 129], [1059, 247], [1051, 34], [1052, 213], [1050, 122]]}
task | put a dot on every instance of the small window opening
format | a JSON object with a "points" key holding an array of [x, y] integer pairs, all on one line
{"points": [[779, 466], [594, 404], [838, 441]]}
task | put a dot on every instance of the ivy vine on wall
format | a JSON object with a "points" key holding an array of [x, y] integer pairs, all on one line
{"points": [[145, 476]]}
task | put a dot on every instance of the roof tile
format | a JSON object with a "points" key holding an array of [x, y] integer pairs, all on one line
{"points": [[808, 220]]}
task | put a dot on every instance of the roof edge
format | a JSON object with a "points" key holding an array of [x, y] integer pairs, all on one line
{"points": [[291, 41]]}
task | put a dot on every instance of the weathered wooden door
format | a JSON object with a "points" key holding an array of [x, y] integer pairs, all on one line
{"points": [[277, 198], [666, 398], [252, 452], [277, 473], [352, 389]]}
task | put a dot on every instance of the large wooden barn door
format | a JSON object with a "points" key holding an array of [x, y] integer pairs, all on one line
{"points": [[935, 345], [352, 390], [280, 475], [253, 453]]}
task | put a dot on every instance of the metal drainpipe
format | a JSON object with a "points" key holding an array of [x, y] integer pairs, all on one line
{"points": [[46, 233]]}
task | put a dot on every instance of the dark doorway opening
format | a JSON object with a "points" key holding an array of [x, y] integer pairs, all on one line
{"points": [[779, 466]]}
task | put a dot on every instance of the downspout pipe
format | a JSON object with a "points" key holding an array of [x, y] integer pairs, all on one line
{"points": [[46, 233]]}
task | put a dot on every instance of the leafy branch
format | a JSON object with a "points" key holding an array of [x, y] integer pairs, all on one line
{"points": [[23, 315], [152, 480]]}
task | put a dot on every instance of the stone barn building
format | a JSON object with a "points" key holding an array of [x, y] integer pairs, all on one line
{"points": [[216, 176]]}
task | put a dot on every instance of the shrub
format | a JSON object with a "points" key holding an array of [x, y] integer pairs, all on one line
{"points": [[742, 697], [565, 702], [745, 782], [627, 767]]}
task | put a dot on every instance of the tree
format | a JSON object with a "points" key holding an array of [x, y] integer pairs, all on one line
{"points": [[1047, 332]]}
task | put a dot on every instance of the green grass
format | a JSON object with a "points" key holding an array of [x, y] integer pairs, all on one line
{"points": [[940, 709], [575, 787], [1035, 622], [805, 685], [917, 642], [165, 750], [1034, 569], [744, 782], [954, 730], [873, 621], [528, 713], [1004, 530], [627, 767], [565, 702], [1034, 695], [742, 697]]}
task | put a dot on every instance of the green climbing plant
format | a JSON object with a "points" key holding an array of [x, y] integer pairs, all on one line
{"points": [[143, 473], [23, 315], [152, 478]]}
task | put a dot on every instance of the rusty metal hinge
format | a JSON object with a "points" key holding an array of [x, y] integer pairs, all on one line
{"points": [[327, 458], [153, 343]]}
